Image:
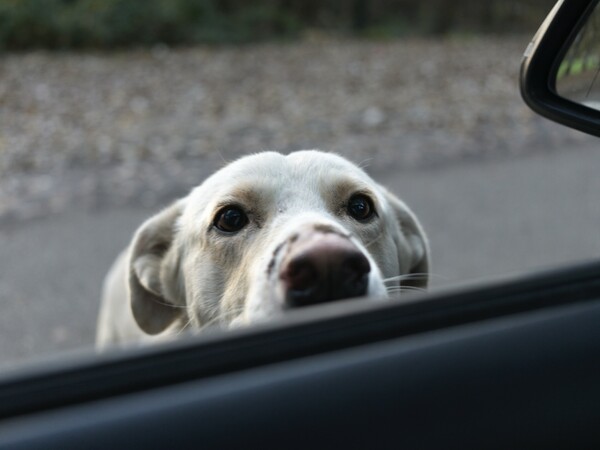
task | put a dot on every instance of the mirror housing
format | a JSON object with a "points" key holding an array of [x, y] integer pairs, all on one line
{"points": [[542, 61]]}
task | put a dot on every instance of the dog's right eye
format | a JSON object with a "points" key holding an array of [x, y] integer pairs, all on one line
{"points": [[360, 207], [230, 219]]}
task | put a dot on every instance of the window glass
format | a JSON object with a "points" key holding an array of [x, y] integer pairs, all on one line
{"points": [[110, 111]]}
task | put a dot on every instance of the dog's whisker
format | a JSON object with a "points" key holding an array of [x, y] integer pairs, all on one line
{"points": [[223, 317], [414, 276], [185, 326], [438, 276], [212, 321], [223, 158], [217, 318], [404, 278], [170, 305], [365, 163], [404, 289]]}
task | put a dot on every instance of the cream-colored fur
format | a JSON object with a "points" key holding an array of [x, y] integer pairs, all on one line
{"points": [[181, 271]]}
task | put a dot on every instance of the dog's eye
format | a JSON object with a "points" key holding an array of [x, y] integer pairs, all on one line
{"points": [[230, 219], [360, 207]]}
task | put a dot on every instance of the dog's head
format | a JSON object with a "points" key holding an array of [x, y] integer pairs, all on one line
{"points": [[271, 232]]}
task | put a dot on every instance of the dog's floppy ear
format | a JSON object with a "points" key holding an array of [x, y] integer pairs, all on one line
{"points": [[153, 267], [419, 258]]}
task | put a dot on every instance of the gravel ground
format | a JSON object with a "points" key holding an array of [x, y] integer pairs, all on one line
{"points": [[139, 127]]}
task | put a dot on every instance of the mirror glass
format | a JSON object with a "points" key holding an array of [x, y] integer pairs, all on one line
{"points": [[578, 77]]}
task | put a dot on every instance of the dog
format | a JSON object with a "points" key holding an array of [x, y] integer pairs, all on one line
{"points": [[265, 234]]}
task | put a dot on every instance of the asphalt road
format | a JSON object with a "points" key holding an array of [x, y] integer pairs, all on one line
{"points": [[484, 219]]}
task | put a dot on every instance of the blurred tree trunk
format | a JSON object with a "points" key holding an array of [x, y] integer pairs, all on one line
{"points": [[360, 15], [438, 15]]}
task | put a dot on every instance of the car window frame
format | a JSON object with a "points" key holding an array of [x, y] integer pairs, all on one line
{"points": [[313, 331]]}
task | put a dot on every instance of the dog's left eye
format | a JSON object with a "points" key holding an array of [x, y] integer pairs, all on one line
{"points": [[230, 219], [360, 207]]}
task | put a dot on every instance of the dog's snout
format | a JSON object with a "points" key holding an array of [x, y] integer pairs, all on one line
{"points": [[324, 267]]}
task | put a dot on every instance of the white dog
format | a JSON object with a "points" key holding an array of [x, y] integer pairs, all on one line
{"points": [[264, 234]]}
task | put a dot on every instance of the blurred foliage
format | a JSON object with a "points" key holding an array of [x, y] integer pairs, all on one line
{"points": [[72, 24], [117, 23], [584, 53]]}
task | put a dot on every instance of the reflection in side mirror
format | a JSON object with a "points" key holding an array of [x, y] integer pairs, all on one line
{"points": [[578, 76], [559, 73]]}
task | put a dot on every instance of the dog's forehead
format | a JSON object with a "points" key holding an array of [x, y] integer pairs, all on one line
{"points": [[297, 165], [310, 169]]}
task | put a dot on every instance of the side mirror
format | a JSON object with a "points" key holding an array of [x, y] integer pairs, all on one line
{"points": [[560, 72]]}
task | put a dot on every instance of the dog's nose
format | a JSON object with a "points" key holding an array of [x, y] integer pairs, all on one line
{"points": [[324, 267]]}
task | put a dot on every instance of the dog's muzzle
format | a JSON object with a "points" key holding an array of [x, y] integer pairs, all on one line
{"points": [[322, 266]]}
